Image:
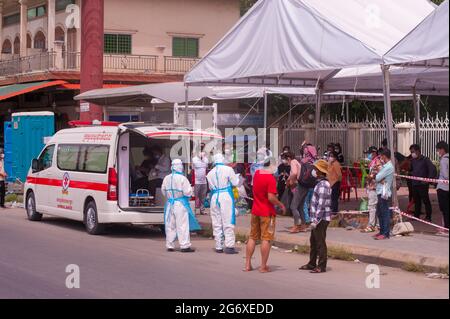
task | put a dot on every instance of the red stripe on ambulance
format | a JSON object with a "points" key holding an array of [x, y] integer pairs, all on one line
{"points": [[73, 184]]}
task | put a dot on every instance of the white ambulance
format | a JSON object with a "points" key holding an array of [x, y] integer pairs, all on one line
{"points": [[92, 173]]}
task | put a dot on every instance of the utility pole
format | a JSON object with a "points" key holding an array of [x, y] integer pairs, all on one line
{"points": [[91, 73]]}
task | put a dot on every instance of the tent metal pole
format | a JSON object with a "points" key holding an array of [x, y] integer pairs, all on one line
{"points": [[319, 92], [289, 121], [347, 113], [265, 118], [416, 102], [186, 105], [389, 126]]}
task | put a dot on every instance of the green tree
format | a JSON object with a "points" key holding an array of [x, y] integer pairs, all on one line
{"points": [[246, 5]]}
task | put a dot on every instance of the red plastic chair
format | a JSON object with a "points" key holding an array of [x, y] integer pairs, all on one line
{"points": [[357, 170], [348, 182]]}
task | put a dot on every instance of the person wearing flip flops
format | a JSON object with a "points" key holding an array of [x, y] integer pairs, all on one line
{"points": [[263, 215], [320, 217], [374, 167], [384, 179]]}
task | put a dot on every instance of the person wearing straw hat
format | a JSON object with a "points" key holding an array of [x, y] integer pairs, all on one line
{"points": [[320, 218]]}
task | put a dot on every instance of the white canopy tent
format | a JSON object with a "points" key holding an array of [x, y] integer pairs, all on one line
{"points": [[304, 95], [173, 92], [426, 45], [306, 42]]}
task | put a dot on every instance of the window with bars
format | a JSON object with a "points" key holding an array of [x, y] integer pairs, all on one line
{"points": [[185, 47], [117, 43], [61, 5], [11, 19], [36, 12]]}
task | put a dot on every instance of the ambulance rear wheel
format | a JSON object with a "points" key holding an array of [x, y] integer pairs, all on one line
{"points": [[91, 220], [32, 214]]}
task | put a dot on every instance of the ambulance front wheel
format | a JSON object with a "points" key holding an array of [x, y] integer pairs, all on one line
{"points": [[91, 220], [32, 214]]}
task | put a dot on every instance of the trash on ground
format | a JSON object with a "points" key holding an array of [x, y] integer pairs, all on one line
{"points": [[436, 275]]}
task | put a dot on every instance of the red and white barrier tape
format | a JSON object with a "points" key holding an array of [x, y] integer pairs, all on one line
{"points": [[424, 179], [355, 212], [418, 219]]}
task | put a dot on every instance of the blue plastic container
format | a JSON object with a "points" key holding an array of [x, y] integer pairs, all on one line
{"points": [[8, 148], [28, 131]]}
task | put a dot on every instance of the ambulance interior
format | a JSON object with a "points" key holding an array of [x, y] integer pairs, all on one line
{"points": [[136, 170]]}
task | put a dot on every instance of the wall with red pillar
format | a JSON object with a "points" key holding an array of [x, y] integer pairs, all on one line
{"points": [[92, 30]]}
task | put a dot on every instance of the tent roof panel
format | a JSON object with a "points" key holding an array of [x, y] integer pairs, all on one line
{"points": [[298, 42], [429, 41]]}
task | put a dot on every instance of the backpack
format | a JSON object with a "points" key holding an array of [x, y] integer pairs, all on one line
{"points": [[306, 178]]}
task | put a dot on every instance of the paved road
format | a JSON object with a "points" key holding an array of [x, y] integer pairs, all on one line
{"points": [[130, 262]]}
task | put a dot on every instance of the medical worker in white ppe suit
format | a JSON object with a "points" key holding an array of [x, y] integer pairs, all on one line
{"points": [[221, 180], [178, 216]]}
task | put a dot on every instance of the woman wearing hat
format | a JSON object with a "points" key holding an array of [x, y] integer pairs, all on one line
{"points": [[320, 218]]}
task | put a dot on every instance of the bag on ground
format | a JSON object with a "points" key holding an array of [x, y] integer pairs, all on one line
{"points": [[403, 228], [363, 205]]}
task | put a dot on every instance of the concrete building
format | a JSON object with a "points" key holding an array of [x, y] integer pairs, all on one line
{"points": [[145, 41]]}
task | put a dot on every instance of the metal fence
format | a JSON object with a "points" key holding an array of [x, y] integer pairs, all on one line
{"points": [[28, 64], [332, 132], [371, 132], [115, 62], [374, 132], [178, 65], [432, 131], [294, 135], [111, 63]]}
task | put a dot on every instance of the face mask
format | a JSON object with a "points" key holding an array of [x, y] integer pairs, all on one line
{"points": [[370, 157], [285, 162], [331, 159], [260, 157], [414, 155], [178, 168], [314, 173]]}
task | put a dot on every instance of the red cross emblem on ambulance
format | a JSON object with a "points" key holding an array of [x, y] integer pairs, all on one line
{"points": [[65, 183]]}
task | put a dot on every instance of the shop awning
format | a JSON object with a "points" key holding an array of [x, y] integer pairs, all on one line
{"points": [[13, 90], [172, 92]]}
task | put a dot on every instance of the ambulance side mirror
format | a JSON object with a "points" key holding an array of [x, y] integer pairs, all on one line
{"points": [[35, 166]]}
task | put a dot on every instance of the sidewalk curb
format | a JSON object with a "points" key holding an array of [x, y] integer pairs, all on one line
{"points": [[370, 255]]}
